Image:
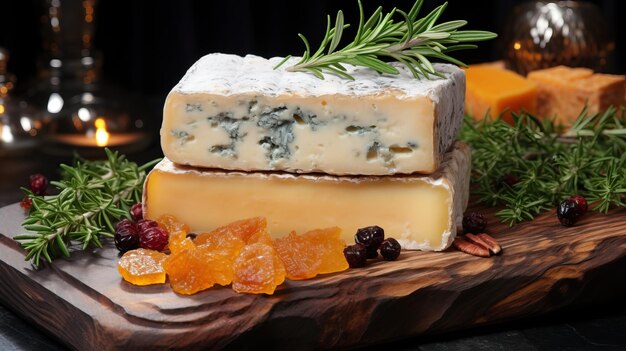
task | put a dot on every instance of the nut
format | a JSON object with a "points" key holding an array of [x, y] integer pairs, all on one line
{"points": [[470, 248], [493, 245], [474, 239], [485, 241]]}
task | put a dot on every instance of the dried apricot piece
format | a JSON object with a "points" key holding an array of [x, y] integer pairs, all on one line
{"points": [[191, 271], [244, 229], [319, 251], [257, 270], [301, 262], [177, 232], [329, 245], [142, 267], [279, 269], [172, 225], [226, 242], [219, 264], [262, 236], [179, 243]]}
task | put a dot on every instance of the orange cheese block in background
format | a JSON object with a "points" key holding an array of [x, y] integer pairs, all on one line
{"points": [[494, 90], [564, 91]]}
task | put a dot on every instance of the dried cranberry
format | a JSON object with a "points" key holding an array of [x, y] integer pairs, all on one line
{"points": [[474, 222], [568, 212], [390, 249], [370, 237], [356, 255], [26, 203], [581, 202], [154, 238], [126, 235], [371, 253], [126, 242], [145, 224], [126, 227], [136, 211], [38, 184]]}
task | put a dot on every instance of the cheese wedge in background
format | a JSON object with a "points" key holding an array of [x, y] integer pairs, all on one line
{"points": [[422, 212], [564, 91], [495, 90], [239, 113]]}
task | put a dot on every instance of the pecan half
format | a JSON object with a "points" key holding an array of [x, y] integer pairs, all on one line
{"points": [[470, 248], [476, 240], [485, 241], [493, 245]]}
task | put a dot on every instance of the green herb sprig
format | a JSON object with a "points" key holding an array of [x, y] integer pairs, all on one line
{"points": [[93, 196], [410, 41], [547, 163]]}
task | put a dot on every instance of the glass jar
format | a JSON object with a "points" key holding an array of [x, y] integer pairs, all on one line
{"points": [[543, 34]]}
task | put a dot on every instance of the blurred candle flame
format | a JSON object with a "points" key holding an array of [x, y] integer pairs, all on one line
{"points": [[102, 136], [5, 134]]}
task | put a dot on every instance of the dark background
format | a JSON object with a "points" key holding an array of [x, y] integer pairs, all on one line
{"points": [[148, 45]]}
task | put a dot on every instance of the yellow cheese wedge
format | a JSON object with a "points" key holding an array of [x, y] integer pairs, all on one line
{"points": [[422, 212], [493, 90], [564, 91]]}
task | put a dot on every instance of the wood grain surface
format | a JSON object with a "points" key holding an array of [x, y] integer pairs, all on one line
{"points": [[84, 302]]}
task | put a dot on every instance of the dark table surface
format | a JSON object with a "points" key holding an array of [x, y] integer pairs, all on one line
{"points": [[601, 326]]}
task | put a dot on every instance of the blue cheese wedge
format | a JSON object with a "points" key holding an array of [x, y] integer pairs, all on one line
{"points": [[239, 113], [423, 212]]}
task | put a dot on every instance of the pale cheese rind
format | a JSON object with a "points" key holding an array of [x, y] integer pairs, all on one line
{"points": [[422, 212], [239, 113]]}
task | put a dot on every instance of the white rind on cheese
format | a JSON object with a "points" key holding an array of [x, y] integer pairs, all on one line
{"points": [[422, 212], [225, 74], [238, 113]]}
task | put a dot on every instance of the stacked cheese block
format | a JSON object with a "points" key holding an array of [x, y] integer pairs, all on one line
{"points": [[242, 139]]}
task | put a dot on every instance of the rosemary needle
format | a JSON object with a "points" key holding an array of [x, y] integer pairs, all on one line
{"points": [[396, 35]]}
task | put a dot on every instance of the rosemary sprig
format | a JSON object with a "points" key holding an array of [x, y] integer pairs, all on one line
{"points": [[410, 41], [93, 195], [546, 163]]}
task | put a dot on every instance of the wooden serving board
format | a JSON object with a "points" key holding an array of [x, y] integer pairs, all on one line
{"points": [[544, 266]]}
